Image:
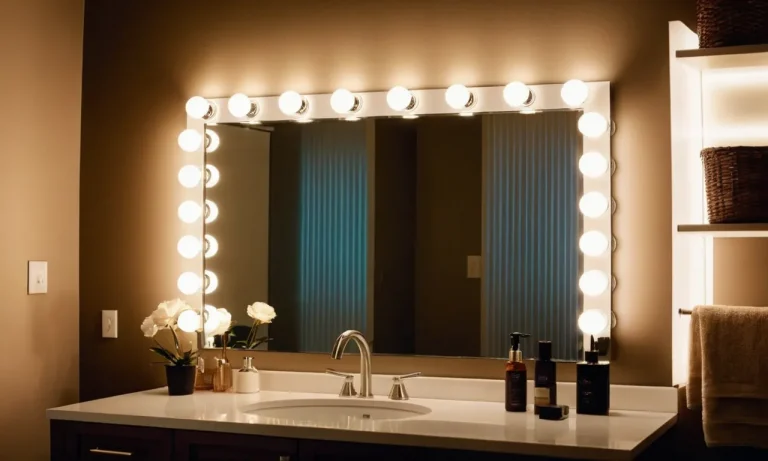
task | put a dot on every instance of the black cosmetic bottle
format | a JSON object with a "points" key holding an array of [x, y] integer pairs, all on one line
{"points": [[545, 378], [593, 386]]}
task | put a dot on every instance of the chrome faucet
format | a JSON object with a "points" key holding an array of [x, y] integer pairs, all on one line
{"points": [[365, 358]]}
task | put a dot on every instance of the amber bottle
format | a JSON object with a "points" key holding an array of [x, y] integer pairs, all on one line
{"points": [[516, 379]]}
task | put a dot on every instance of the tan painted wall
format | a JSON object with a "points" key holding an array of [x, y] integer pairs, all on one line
{"points": [[144, 58], [41, 54]]}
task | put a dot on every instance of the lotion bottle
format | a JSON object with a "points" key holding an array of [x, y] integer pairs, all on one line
{"points": [[516, 379], [247, 378]]}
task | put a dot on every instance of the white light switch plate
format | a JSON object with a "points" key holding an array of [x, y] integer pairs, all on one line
{"points": [[109, 324], [37, 277]]}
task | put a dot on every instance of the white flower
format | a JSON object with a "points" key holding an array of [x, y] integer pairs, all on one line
{"points": [[148, 327], [225, 320], [262, 312], [165, 314]]}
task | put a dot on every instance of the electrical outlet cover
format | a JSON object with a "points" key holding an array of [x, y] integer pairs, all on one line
{"points": [[37, 277]]}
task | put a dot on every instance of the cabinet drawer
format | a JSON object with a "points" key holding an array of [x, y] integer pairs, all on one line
{"points": [[210, 446], [106, 442]]}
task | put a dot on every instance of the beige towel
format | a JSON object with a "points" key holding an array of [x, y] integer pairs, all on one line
{"points": [[728, 374]]}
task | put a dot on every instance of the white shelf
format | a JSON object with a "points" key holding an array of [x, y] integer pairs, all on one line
{"points": [[725, 230], [729, 57]]}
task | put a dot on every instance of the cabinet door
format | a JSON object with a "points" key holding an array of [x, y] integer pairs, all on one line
{"points": [[106, 442], [212, 446]]}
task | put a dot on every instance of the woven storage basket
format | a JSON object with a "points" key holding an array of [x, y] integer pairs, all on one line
{"points": [[736, 180], [731, 22]]}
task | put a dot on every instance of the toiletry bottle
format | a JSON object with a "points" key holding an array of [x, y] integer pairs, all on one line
{"points": [[545, 378], [593, 386], [247, 378], [516, 379]]}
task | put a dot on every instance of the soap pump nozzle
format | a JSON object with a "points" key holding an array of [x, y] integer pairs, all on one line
{"points": [[515, 354]]}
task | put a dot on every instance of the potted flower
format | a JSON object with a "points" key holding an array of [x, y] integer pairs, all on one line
{"points": [[180, 366], [262, 314]]}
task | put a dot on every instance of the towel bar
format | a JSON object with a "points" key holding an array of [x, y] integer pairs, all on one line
{"points": [[685, 311]]}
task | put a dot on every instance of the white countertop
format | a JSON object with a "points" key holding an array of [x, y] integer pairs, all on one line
{"points": [[452, 424]]}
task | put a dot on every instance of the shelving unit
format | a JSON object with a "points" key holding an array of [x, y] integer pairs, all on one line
{"points": [[731, 57], [725, 230]]}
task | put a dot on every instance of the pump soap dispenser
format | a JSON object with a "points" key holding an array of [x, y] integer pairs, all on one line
{"points": [[516, 379]]}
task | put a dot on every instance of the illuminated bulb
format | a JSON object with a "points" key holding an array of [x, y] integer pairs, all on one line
{"points": [[517, 94], [240, 106], [211, 282], [344, 102], [593, 204], [189, 321], [190, 140], [189, 176], [211, 246], [400, 99], [593, 125], [211, 211], [200, 108], [189, 211], [592, 322], [574, 93], [292, 103], [212, 141], [593, 165], [189, 246], [593, 283], [459, 97], [211, 317], [211, 176], [189, 283], [593, 243]]}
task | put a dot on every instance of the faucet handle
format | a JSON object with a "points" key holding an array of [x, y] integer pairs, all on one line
{"points": [[398, 391], [348, 388]]}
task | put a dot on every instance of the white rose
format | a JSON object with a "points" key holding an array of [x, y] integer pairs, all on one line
{"points": [[148, 327], [225, 320], [166, 312], [262, 312]]}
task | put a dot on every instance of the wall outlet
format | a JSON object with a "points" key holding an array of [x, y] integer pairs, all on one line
{"points": [[109, 324], [474, 267], [37, 277]]}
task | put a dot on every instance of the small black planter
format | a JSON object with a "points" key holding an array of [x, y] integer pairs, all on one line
{"points": [[181, 380]]}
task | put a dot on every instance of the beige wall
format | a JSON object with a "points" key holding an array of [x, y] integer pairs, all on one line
{"points": [[41, 54], [144, 58]]}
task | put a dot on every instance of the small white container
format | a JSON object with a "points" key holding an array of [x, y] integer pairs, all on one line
{"points": [[247, 378]]}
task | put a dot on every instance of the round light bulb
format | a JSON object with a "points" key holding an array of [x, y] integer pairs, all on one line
{"points": [[189, 321], [240, 105], [291, 103], [574, 93], [211, 211], [593, 283], [593, 165], [211, 246], [593, 125], [189, 246], [592, 322], [189, 176], [189, 211], [212, 176], [190, 140], [400, 99], [211, 317], [458, 97], [189, 283], [517, 94], [199, 107], [593, 243], [593, 204], [211, 282], [344, 102], [212, 141]]}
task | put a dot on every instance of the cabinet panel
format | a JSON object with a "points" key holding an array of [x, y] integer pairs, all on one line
{"points": [[211, 446], [106, 442]]}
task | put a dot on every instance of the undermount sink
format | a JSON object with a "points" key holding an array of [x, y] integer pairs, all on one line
{"points": [[336, 412]]}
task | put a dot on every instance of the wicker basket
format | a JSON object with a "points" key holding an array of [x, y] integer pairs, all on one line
{"points": [[736, 180], [731, 22]]}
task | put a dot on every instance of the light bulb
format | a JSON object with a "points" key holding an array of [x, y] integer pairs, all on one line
{"points": [[189, 246], [200, 108], [400, 99], [592, 322], [189, 211], [240, 106], [593, 125], [212, 141], [211, 282], [574, 93], [189, 283], [593, 283], [189, 176], [291, 103], [188, 321], [344, 102], [593, 243], [593, 204], [190, 140], [211, 211], [211, 317], [459, 97], [593, 165], [211, 246], [517, 94], [211, 176]]}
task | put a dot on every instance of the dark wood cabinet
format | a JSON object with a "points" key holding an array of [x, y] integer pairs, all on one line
{"points": [[210, 446], [104, 442]]}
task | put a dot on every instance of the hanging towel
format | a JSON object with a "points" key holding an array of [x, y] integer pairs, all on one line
{"points": [[728, 374]]}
